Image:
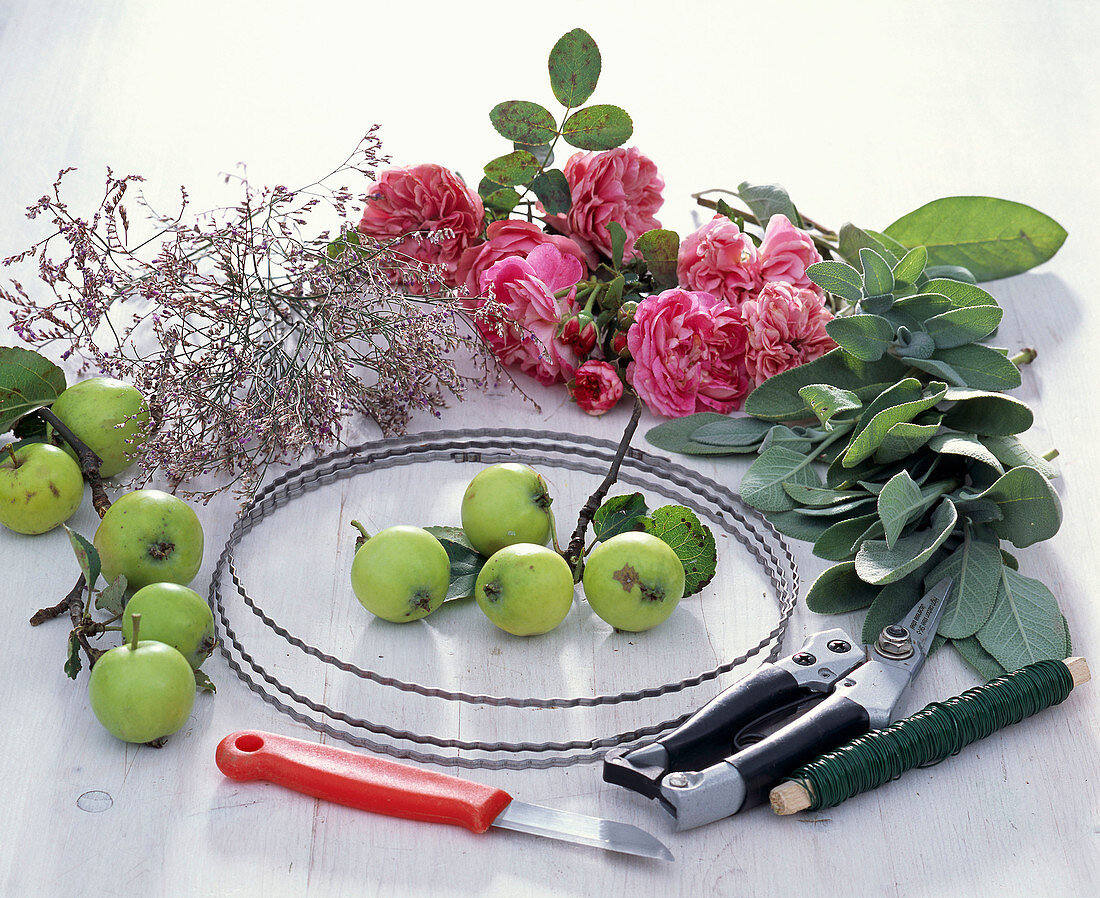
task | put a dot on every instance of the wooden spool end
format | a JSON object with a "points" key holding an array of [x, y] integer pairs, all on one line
{"points": [[1079, 669], [789, 798]]}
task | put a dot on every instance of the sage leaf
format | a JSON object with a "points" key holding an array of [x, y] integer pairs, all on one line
{"points": [[778, 398], [961, 326], [993, 238], [940, 370], [833, 511], [866, 337], [872, 435], [841, 541], [975, 567], [820, 497], [839, 590], [892, 603], [691, 540], [878, 278], [524, 123], [27, 381], [966, 445], [515, 168], [552, 189], [660, 248], [961, 294], [988, 667], [86, 556], [619, 514], [798, 526], [851, 239], [112, 597], [574, 66], [677, 435], [922, 306], [981, 367], [899, 502], [1025, 625], [766, 200], [838, 278], [955, 272], [601, 127], [879, 564], [742, 432], [911, 266], [986, 413], [1030, 509], [1012, 453], [826, 401], [902, 440], [795, 439], [762, 483]]}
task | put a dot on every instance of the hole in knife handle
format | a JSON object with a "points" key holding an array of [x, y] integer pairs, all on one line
{"points": [[248, 742]]}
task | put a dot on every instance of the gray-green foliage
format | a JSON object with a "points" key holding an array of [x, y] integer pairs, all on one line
{"points": [[897, 455]]}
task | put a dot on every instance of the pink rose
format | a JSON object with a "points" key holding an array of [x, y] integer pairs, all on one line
{"points": [[786, 327], [720, 260], [522, 319], [688, 353], [786, 252], [620, 185], [596, 387], [432, 209], [507, 237]]}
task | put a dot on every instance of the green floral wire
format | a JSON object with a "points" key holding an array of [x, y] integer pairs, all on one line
{"points": [[937, 732]]}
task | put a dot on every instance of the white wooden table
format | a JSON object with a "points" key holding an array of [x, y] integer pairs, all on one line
{"points": [[864, 111]]}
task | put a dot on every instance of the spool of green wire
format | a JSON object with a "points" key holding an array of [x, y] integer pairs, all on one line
{"points": [[937, 732]]}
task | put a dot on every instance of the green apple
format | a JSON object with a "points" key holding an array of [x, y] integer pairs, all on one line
{"points": [[506, 504], [525, 589], [142, 691], [151, 537], [110, 416], [401, 574], [634, 581], [175, 615], [40, 487]]}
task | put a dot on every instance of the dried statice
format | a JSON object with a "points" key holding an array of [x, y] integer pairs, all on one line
{"points": [[253, 339]]}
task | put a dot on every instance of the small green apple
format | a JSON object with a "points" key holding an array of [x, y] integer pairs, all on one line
{"points": [[634, 581], [40, 487], [506, 504], [401, 574], [175, 615], [142, 691], [109, 416], [525, 589], [151, 537]]}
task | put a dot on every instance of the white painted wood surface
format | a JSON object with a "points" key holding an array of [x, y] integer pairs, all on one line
{"points": [[864, 111]]}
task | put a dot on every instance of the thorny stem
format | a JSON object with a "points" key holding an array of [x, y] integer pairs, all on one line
{"points": [[574, 554]]}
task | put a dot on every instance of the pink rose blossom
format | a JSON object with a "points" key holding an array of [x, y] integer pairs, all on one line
{"points": [[422, 202], [507, 237], [786, 252], [522, 322], [688, 353], [719, 259], [620, 185], [596, 387], [786, 328]]}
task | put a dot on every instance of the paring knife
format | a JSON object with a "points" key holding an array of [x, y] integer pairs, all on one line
{"points": [[375, 784]]}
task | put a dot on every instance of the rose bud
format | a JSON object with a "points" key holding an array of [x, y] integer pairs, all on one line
{"points": [[618, 345], [596, 387], [626, 313], [579, 333]]}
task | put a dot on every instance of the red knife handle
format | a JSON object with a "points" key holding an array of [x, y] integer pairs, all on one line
{"points": [[360, 781]]}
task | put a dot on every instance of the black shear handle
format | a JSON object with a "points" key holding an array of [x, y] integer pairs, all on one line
{"points": [[827, 726]]}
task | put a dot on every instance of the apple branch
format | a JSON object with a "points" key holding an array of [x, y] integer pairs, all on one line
{"points": [[89, 461], [574, 554]]}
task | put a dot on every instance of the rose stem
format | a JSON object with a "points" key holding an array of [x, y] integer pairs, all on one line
{"points": [[574, 554]]}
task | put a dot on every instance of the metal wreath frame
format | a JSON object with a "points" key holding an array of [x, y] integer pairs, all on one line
{"points": [[586, 454]]}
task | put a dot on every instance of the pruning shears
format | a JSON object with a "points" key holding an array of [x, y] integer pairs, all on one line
{"points": [[719, 762]]}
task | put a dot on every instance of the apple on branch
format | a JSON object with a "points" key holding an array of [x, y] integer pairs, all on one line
{"points": [[40, 488]]}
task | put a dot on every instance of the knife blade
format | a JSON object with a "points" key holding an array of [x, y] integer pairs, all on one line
{"points": [[383, 786]]}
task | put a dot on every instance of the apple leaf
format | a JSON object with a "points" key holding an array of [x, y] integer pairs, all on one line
{"points": [[203, 683], [111, 597], [72, 663], [86, 556], [619, 514], [691, 540], [466, 561], [27, 381]]}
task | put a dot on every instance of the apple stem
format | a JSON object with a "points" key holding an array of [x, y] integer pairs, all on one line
{"points": [[363, 535], [89, 462], [11, 452], [574, 554], [136, 618]]}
